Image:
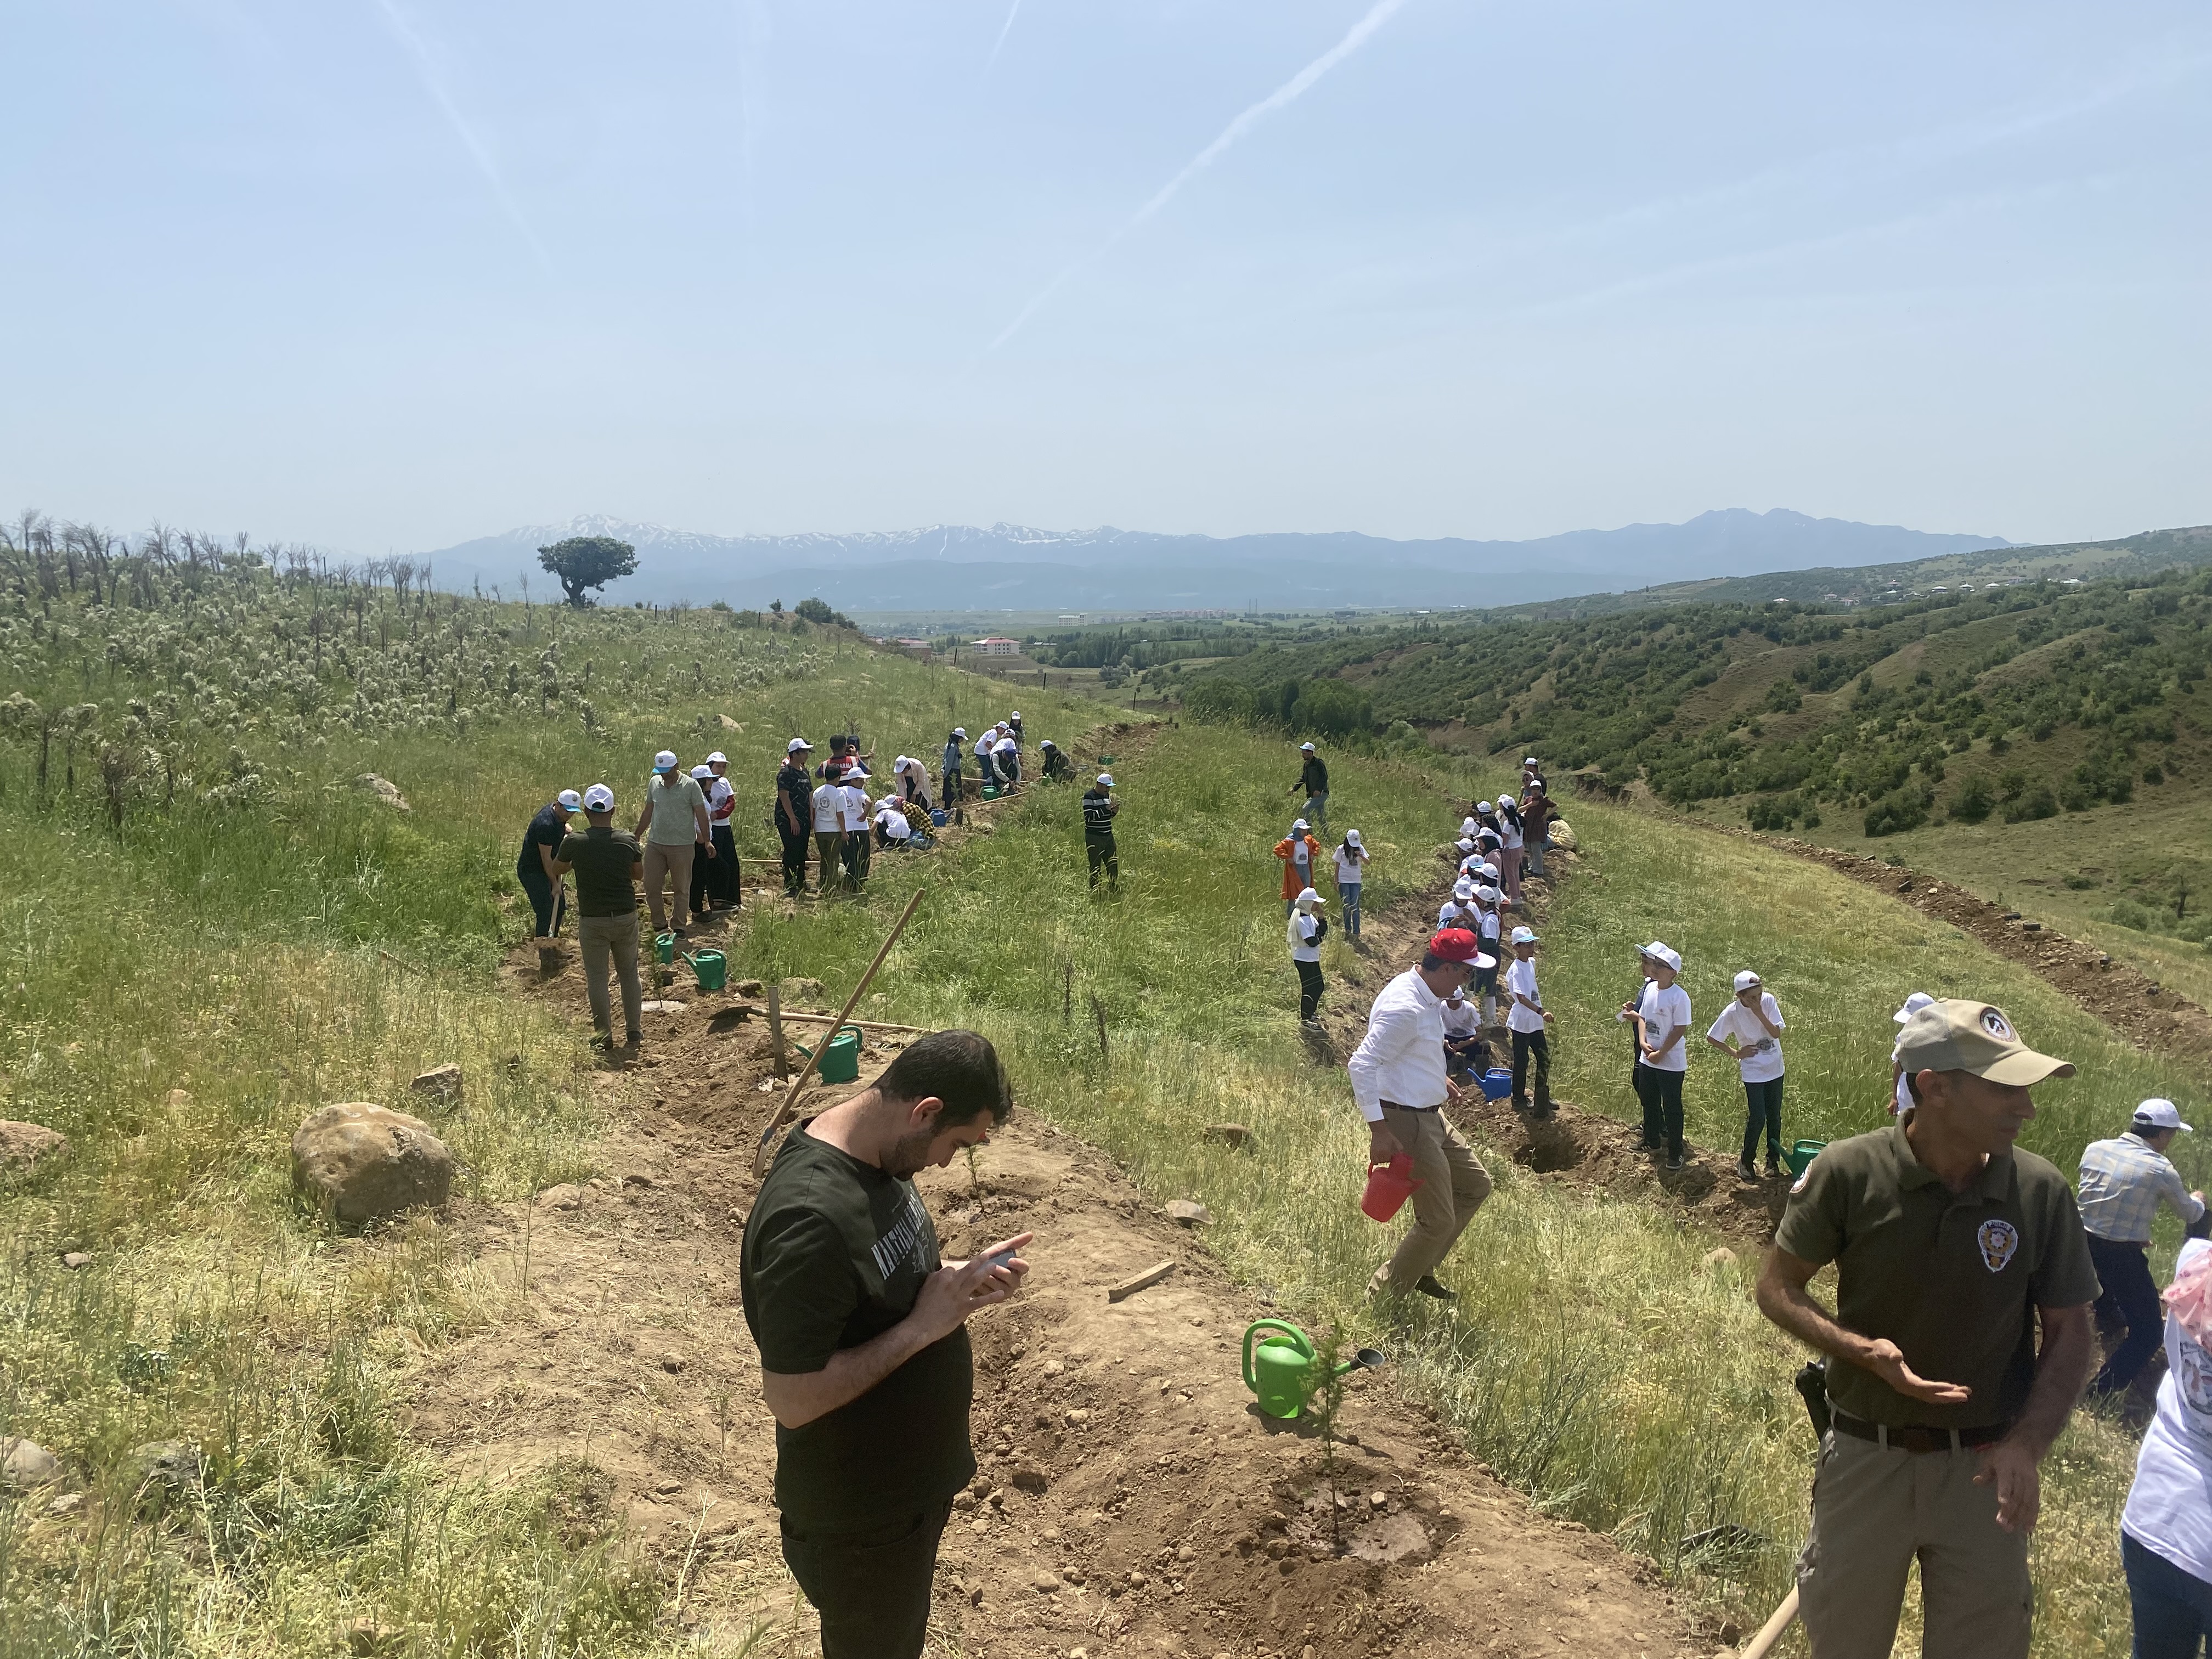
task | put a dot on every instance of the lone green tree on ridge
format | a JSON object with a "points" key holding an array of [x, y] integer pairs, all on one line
{"points": [[584, 562]]}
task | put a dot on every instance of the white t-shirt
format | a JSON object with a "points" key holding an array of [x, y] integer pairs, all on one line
{"points": [[2169, 1508], [1662, 1012], [1349, 870], [893, 824], [1308, 929], [1521, 979], [1766, 1065], [829, 809], [857, 806], [1452, 916], [1492, 928], [1465, 1020]]}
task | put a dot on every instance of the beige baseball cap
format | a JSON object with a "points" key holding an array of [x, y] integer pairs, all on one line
{"points": [[1960, 1034]]}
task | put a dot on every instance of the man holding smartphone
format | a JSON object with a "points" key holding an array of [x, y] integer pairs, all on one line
{"points": [[861, 1329]]}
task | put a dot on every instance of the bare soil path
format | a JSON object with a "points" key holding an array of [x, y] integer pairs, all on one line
{"points": [[1131, 1499]]}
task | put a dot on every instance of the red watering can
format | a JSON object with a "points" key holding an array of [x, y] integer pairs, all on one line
{"points": [[1389, 1186]]}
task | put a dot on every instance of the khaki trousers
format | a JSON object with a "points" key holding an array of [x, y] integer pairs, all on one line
{"points": [[665, 863], [612, 941], [1453, 1186], [1875, 1511]]}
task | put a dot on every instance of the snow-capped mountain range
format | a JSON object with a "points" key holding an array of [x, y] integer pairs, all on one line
{"points": [[1014, 567]]}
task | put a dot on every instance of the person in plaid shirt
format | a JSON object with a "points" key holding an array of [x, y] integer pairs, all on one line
{"points": [[2124, 1181]]}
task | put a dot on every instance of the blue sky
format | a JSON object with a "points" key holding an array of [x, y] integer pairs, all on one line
{"points": [[386, 274]]}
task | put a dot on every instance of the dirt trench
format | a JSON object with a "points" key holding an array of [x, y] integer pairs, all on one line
{"points": [[2142, 1010], [1131, 1499]]}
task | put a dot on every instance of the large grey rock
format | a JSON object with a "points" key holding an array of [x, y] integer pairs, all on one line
{"points": [[384, 789], [361, 1163], [25, 1465], [22, 1145], [162, 1465]]}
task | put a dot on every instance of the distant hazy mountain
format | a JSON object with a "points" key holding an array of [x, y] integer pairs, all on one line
{"points": [[1009, 567]]}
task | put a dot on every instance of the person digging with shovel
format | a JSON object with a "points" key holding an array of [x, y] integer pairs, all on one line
{"points": [[1398, 1079]]}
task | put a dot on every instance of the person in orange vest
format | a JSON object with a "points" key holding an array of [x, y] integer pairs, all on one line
{"points": [[1299, 851]]}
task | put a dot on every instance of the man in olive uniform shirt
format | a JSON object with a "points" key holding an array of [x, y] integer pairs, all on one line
{"points": [[1950, 1243]]}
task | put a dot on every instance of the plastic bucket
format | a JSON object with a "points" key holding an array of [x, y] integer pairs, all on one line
{"points": [[936, 818], [1799, 1157], [664, 947], [840, 1056], [712, 969], [990, 791], [1497, 1083], [1389, 1186]]}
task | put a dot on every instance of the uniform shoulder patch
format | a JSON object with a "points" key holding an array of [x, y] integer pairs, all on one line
{"points": [[1998, 1240]]}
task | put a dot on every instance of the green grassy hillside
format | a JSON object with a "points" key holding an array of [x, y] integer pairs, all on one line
{"points": [[190, 960]]}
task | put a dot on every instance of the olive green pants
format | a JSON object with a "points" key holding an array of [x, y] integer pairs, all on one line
{"points": [[1876, 1511], [1453, 1186]]}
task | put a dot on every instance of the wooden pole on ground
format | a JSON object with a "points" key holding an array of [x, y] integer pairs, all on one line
{"points": [[775, 1032], [791, 1096]]}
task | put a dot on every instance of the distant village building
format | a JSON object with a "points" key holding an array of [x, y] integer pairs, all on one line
{"points": [[995, 647]]}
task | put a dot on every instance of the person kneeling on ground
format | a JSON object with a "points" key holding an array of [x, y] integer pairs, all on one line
{"points": [[1306, 930], [1466, 1051], [1951, 1246], [1530, 1023], [892, 828], [862, 1333], [2124, 1181], [1749, 1032], [1057, 765], [607, 861], [1398, 1079]]}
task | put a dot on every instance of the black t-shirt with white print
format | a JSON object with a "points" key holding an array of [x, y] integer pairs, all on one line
{"points": [[836, 1252]]}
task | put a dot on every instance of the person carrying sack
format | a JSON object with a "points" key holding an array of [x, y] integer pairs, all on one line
{"points": [[1951, 1247], [1303, 934], [1399, 1083]]}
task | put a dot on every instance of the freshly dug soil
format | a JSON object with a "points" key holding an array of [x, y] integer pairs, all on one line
{"points": [[2131, 1002], [1131, 1499]]}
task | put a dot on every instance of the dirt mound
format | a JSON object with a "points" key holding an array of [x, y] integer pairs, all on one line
{"points": [[2133, 1004], [1131, 1498]]}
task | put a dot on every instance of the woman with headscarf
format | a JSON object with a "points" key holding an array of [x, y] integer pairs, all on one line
{"points": [[1306, 929]]}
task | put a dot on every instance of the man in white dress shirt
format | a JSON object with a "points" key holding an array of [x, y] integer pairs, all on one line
{"points": [[1398, 1079]]}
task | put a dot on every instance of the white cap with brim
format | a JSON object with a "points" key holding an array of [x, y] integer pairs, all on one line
{"points": [[1351, 838], [569, 800], [1463, 889], [1659, 952], [1913, 1004], [2159, 1114], [1106, 778], [1746, 979], [1524, 936], [959, 731], [1300, 823], [1960, 1034], [702, 771], [665, 760], [1307, 747], [1307, 896], [718, 758], [796, 745], [599, 799]]}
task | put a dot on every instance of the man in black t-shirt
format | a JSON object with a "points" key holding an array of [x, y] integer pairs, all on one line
{"points": [[608, 862], [795, 813], [861, 1329], [533, 865]]}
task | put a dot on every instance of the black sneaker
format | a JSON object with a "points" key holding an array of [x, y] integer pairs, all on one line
{"points": [[1545, 1111], [1674, 1160], [1774, 1169], [1427, 1286], [1744, 1171]]}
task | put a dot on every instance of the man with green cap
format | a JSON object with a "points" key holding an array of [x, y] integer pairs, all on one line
{"points": [[1951, 1245]]}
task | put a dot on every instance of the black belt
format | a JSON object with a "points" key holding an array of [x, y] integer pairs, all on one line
{"points": [[1916, 1439], [1394, 1106]]}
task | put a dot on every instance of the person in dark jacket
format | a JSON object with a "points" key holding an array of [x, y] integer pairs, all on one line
{"points": [[794, 815], [533, 865], [1313, 779], [1099, 810], [1057, 765], [956, 750]]}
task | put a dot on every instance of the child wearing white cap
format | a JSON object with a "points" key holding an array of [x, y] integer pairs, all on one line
{"points": [[1749, 1032], [1529, 1022], [1306, 929], [1661, 1016], [1901, 1096], [1298, 851], [1352, 856]]}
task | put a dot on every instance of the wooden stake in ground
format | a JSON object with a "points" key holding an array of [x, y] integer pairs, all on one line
{"points": [[1098, 1009], [775, 1032], [790, 1096]]}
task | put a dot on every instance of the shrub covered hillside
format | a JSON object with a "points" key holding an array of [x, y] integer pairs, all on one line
{"points": [[2021, 702]]}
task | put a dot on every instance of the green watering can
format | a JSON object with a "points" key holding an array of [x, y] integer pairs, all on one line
{"points": [[1280, 1371], [711, 968], [664, 947]]}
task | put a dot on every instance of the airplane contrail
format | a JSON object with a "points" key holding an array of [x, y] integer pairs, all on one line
{"points": [[426, 71], [1005, 29], [1281, 98]]}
